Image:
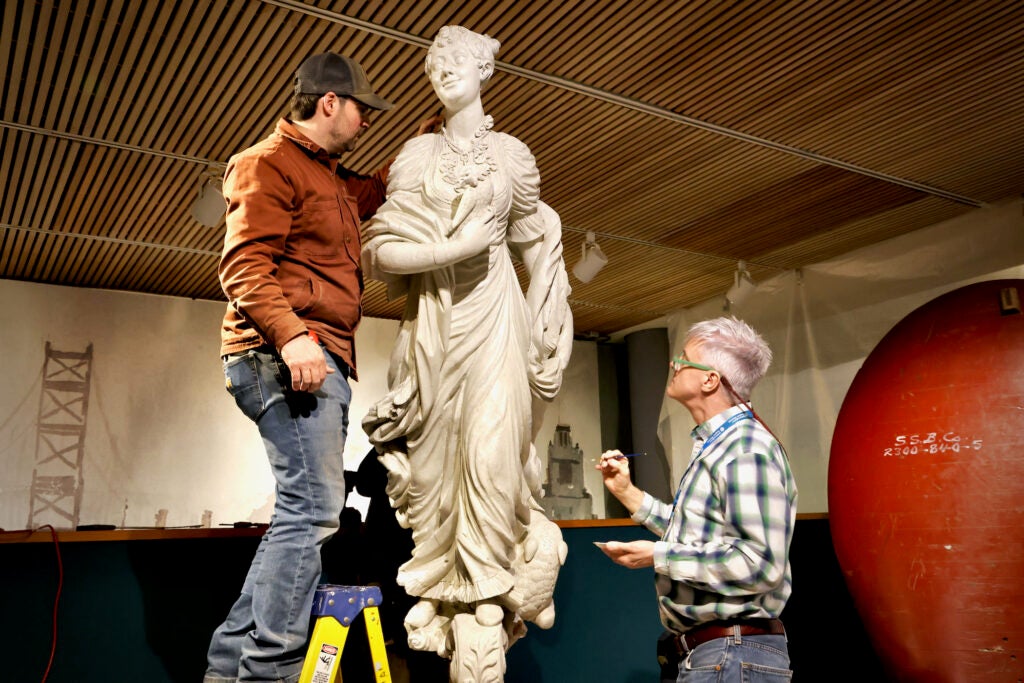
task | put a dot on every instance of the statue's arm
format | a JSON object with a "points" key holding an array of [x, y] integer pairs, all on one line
{"points": [[471, 237], [532, 252], [405, 258]]}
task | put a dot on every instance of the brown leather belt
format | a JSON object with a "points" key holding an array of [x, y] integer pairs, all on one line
{"points": [[726, 629]]}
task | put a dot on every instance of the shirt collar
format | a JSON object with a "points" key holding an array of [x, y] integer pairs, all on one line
{"points": [[703, 431]]}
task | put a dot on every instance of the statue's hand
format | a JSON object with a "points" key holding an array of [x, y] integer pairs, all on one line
{"points": [[475, 229]]}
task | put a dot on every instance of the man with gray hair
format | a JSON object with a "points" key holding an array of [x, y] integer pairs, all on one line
{"points": [[721, 565]]}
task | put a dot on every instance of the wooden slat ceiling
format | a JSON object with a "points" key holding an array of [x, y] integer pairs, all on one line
{"points": [[687, 135]]}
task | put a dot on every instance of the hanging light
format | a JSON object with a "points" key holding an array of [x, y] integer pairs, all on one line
{"points": [[208, 208], [742, 287], [592, 260]]}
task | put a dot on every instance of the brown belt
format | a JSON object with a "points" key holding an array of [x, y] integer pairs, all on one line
{"points": [[726, 629]]}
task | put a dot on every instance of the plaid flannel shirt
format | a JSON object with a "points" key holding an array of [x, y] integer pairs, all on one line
{"points": [[724, 548]]}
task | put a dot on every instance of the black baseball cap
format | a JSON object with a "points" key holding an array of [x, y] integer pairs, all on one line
{"points": [[330, 72]]}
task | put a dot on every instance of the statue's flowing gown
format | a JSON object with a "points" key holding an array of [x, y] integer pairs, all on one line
{"points": [[455, 427]]}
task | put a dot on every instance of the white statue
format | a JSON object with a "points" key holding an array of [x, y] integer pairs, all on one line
{"points": [[473, 363]]}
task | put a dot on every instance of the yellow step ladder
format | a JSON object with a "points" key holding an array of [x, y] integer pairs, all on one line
{"points": [[335, 608]]}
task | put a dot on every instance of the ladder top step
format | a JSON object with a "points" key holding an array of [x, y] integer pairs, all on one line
{"points": [[344, 603]]}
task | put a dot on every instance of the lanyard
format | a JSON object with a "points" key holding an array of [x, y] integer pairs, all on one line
{"points": [[722, 429], [703, 447]]}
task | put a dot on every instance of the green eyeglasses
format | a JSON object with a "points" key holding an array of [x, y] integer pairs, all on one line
{"points": [[679, 361]]}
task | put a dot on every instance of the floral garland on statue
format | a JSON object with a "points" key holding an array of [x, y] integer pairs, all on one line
{"points": [[463, 169]]}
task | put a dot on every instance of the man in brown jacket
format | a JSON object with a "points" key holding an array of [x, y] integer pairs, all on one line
{"points": [[290, 270]]}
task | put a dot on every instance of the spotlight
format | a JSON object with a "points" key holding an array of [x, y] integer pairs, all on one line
{"points": [[743, 286], [592, 260], [209, 207]]}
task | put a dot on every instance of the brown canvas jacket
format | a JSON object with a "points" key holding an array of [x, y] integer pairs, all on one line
{"points": [[291, 253]]}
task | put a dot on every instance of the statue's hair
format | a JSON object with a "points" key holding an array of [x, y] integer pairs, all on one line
{"points": [[482, 47], [734, 349]]}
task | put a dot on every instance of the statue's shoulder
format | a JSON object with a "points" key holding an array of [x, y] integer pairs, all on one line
{"points": [[420, 143], [419, 148], [512, 145], [515, 151], [411, 162]]}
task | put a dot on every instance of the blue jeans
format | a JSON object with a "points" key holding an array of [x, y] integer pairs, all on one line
{"points": [[737, 659], [265, 633]]}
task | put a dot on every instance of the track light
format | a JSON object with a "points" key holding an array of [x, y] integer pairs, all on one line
{"points": [[742, 287], [592, 260], [209, 207]]}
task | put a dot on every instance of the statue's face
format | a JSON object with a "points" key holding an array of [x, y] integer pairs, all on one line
{"points": [[455, 76]]}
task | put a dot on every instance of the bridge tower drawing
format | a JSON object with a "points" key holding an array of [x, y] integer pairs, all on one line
{"points": [[55, 496]]}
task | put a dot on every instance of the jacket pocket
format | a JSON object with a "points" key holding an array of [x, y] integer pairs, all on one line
{"points": [[319, 229], [302, 289]]}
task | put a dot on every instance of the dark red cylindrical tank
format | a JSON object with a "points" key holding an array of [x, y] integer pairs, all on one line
{"points": [[926, 489]]}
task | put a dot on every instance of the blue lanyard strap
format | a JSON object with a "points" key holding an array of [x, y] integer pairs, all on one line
{"points": [[722, 429], [703, 447]]}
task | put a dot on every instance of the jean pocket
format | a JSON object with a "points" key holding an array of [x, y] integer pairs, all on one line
{"points": [[759, 673], [710, 656], [242, 380]]}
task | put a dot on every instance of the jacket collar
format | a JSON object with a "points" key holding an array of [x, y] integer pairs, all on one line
{"points": [[285, 128]]}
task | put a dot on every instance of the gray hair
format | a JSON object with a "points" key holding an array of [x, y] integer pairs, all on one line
{"points": [[482, 47], [734, 349]]}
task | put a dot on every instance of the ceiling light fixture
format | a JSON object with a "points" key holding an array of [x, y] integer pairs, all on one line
{"points": [[208, 208], [742, 287], [592, 260]]}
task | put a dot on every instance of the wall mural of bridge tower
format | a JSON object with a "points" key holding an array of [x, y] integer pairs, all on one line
{"points": [[56, 494]]}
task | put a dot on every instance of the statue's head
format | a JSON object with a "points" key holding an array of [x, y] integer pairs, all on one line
{"points": [[481, 47]]}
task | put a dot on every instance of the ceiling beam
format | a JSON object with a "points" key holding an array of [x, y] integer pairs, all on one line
{"points": [[110, 143]]}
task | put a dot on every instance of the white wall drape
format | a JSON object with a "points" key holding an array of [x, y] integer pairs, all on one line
{"points": [[823, 321], [162, 434]]}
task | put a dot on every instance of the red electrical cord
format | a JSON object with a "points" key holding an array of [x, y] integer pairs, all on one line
{"points": [[56, 600]]}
